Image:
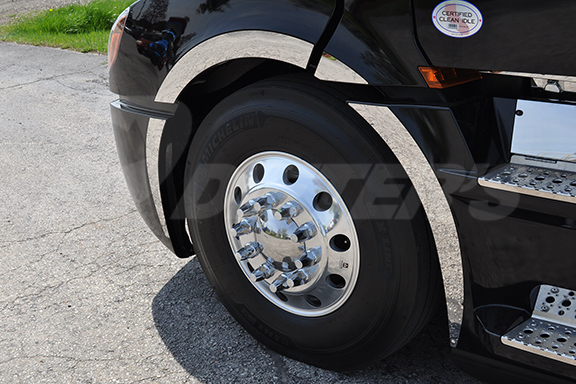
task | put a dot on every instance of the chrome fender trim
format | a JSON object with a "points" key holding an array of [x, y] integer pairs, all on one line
{"points": [[222, 48], [412, 159], [275, 46], [216, 50], [230, 46], [332, 69]]}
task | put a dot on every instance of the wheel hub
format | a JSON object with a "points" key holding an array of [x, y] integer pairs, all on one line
{"points": [[275, 238], [291, 233]]}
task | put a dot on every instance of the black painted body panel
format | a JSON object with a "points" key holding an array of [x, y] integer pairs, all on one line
{"points": [[517, 35], [143, 61], [375, 39]]}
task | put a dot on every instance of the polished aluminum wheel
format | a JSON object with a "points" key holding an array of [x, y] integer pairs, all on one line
{"points": [[291, 233]]}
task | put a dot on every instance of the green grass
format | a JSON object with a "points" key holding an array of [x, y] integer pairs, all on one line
{"points": [[83, 28]]}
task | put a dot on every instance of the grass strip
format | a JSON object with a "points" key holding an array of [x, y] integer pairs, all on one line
{"points": [[83, 28]]}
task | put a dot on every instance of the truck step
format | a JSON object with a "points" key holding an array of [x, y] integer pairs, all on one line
{"points": [[540, 181], [551, 331]]}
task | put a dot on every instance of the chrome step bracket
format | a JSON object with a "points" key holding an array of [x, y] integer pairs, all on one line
{"points": [[551, 331], [539, 180]]}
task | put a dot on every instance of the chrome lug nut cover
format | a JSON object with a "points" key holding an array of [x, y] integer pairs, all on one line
{"points": [[249, 251], [311, 256], [304, 232], [244, 227], [288, 211], [264, 271], [284, 240], [250, 208]]}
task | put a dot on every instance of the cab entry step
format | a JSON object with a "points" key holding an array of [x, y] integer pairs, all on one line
{"points": [[540, 181], [551, 331]]}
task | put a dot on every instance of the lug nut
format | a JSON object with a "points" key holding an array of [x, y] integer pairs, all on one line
{"points": [[310, 257], [244, 227], [250, 250], [251, 208], [304, 232], [282, 282], [270, 200], [288, 211], [301, 276], [264, 271]]}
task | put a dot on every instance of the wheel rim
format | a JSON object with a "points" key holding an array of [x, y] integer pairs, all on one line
{"points": [[292, 234]]}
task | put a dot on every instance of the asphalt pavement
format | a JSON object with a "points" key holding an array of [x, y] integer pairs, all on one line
{"points": [[87, 293]]}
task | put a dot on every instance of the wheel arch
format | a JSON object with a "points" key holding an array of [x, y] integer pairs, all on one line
{"points": [[282, 54], [195, 84]]}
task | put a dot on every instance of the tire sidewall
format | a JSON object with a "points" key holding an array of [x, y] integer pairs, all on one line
{"points": [[268, 118]]}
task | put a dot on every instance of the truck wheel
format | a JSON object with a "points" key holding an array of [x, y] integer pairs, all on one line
{"points": [[307, 227]]}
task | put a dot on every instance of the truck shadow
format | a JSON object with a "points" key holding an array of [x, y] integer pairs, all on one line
{"points": [[208, 343]]}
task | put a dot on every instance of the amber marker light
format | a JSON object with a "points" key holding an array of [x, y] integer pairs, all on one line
{"points": [[116, 36], [441, 77]]}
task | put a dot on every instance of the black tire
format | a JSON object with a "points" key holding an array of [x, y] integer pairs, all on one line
{"points": [[398, 285]]}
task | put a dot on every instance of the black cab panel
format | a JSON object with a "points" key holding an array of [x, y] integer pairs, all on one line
{"points": [[522, 36]]}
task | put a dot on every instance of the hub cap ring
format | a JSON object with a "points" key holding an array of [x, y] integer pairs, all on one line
{"points": [[292, 234]]}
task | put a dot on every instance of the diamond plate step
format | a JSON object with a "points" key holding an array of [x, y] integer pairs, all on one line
{"points": [[532, 180], [551, 331]]}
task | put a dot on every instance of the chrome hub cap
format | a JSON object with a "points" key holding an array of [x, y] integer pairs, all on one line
{"points": [[292, 234]]}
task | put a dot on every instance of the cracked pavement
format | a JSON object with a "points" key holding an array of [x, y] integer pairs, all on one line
{"points": [[87, 293]]}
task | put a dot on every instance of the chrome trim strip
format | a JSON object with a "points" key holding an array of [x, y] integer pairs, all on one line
{"points": [[533, 75], [216, 50], [553, 83], [434, 201], [233, 45], [332, 69], [483, 182], [270, 45], [153, 137], [144, 111]]}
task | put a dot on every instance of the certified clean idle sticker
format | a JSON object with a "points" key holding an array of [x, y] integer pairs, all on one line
{"points": [[457, 18]]}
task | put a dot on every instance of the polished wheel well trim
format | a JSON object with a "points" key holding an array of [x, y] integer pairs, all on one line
{"points": [[231, 46], [332, 69], [275, 46], [209, 53], [434, 201], [217, 50]]}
